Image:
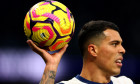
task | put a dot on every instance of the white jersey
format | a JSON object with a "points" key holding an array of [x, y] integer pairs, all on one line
{"points": [[114, 80]]}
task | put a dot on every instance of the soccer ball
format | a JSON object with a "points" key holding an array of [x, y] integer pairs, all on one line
{"points": [[49, 24]]}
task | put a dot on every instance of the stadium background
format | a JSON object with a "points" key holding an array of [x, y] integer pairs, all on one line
{"points": [[20, 65]]}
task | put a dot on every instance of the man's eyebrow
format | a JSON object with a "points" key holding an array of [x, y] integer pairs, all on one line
{"points": [[116, 41]]}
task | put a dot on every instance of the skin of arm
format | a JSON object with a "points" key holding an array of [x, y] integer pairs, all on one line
{"points": [[51, 60]]}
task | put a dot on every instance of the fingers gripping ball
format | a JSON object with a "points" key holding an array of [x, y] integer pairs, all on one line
{"points": [[49, 24]]}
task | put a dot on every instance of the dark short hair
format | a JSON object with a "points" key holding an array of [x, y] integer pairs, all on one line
{"points": [[93, 29]]}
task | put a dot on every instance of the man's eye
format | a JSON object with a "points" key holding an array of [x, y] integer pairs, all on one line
{"points": [[114, 44]]}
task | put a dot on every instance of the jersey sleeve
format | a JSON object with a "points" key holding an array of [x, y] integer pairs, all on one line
{"points": [[121, 80], [71, 81]]}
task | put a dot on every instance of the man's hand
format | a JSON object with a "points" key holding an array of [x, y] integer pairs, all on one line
{"points": [[51, 60]]}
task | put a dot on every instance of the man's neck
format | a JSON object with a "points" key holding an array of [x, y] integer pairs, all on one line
{"points": [[92, 73]]}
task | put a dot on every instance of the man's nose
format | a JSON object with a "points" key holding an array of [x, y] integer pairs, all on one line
{"points": [[122, 50]]}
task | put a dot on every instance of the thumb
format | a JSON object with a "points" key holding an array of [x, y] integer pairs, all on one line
{"points": [[63, 50]]}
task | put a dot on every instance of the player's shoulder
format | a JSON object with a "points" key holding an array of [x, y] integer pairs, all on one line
{"points": [[115, 80], [71, 81], [121, 80]]}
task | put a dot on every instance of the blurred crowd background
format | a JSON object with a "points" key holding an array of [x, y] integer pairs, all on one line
{"points": [[20, 65]]}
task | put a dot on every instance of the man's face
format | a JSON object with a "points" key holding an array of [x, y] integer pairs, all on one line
{"points": [[110, 51]]}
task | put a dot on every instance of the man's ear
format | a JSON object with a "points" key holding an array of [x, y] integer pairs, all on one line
{"points": [[92, 49]]}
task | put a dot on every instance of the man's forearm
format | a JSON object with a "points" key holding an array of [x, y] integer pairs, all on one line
{"points": [[51, 60], [48, 76]]}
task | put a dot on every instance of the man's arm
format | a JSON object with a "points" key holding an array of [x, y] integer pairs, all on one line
{"points": [[51, 60], [48, 76]]}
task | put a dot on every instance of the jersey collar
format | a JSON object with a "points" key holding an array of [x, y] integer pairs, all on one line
{"points": [[89, 82]]}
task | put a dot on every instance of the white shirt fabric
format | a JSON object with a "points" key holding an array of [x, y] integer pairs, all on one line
{"points": [[114, 80]]}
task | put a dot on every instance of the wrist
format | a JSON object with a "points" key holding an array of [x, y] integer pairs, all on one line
{"points": [[51, 67]]}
